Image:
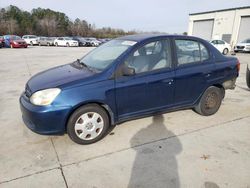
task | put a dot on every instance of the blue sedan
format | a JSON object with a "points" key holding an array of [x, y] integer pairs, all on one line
{"points": [[126, 78]]}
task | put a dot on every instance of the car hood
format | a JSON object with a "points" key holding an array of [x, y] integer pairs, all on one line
{"points": [[55, 77], [242, 44]]}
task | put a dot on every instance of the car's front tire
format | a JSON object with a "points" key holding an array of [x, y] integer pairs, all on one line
{"points": [[210, 101], [88, 124]]}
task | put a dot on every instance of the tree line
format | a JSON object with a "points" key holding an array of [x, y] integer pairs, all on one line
{"points": [[46, 22]]}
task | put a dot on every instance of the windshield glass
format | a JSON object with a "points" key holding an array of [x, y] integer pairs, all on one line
{"points": [[103, 56], [67, 38]]}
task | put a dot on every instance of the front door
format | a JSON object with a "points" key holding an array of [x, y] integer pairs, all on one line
{"points": [[152, 85]]}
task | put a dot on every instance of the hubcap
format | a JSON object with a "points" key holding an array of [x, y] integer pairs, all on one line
{"points": [[211, 100], [89, 125]]}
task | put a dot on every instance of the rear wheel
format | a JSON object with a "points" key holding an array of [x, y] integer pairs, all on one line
{"points": [[88, 124], [225, 51], [210, 101]]}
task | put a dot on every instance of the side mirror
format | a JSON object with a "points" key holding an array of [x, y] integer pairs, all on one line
{"points": [[128, 71]]}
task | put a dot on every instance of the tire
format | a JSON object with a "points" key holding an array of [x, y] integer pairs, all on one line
{"points": [[56, 44], [212, 95], [248, 77], [225, 51], [67, 44], [94, 130]]}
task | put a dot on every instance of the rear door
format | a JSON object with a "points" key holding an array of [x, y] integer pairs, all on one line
{"points": [[194, 70]]}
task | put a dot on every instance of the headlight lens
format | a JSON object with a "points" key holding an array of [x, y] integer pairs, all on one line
{"points": [[44, 97]]}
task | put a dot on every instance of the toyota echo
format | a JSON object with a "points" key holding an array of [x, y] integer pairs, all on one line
{"points": [[126, 78]]}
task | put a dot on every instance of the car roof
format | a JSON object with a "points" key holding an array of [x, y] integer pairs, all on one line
{"points": [[142, 37]]}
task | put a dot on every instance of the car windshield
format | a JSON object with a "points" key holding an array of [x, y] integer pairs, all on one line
{"points": [[67, 38], [101, 57], [246, 41]]}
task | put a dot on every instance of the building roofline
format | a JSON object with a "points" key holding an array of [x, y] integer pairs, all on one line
{"points": [[221, 10]]}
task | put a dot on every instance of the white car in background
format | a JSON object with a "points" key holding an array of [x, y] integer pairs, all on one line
{"points": [[243, 46], [30, 39], [65, 41], [222, 46]]}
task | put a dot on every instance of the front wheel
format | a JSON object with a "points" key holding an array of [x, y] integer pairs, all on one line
{"points": [[210, 101], [88, 124]]}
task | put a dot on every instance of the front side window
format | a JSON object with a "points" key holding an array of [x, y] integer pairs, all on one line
{"points": [[152, 56], [189, 51]]}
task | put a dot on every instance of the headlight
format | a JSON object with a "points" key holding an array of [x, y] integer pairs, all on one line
{"points": [[44, 97]]}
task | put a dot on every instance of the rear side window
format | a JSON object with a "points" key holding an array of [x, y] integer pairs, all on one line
{"points": [[189, 51]]}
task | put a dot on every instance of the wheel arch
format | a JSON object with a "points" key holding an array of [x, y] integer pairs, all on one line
{"points": [[104, 106]]}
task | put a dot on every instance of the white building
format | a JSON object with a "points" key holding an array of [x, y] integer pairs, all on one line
{"points": [[231, 25]]}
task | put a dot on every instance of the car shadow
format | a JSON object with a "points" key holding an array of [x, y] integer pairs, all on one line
{"points": [[155, 163]]}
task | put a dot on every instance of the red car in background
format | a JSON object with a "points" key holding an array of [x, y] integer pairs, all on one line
{"points": [[14, 41]]}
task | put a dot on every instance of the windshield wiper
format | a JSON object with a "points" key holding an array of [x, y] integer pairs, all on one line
{"points": [[82, 64]]}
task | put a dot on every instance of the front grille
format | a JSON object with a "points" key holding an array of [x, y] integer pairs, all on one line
{"points": [[240, 47]]}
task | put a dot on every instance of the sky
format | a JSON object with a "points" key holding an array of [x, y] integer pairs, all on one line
{"points": [[141, 15]]}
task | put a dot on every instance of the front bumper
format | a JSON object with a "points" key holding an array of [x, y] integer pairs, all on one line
{"points": [[46, 120], [73, 44], [242, 49], [19, 45]]}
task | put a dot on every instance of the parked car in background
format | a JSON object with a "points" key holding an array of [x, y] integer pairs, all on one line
{"points": [[94, 41], [65, 41], [104, 40], [1, 41], [243, 46], [126, 78], [222, 46], [81, 41], [13, 41], [46, 41], [31, 39]]}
